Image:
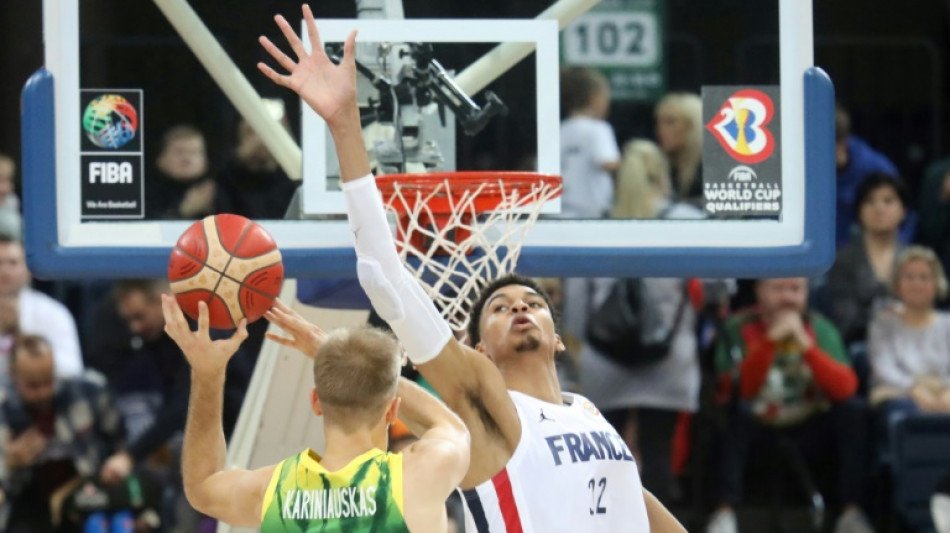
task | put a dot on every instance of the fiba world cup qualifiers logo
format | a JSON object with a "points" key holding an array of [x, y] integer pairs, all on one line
{"points": [[110, 121]]}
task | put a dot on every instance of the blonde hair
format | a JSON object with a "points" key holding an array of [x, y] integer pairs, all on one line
{"points": [[643, 178], [688, 107], [921, 253], [356, 373]]}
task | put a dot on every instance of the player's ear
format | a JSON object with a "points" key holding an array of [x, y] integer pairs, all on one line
{"points": [[315, 402], [393, 412], [558, 343]]}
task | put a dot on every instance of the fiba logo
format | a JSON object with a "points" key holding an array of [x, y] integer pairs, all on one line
{"points": [[110, 121], [740, 126], [742, 174]]}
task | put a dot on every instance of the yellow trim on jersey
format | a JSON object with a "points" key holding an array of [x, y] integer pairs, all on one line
{"points": [[271, 488], [312, 460], [396, 470]]}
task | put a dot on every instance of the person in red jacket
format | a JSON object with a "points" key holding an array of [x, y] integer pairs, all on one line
{"points": [[783, 369]]}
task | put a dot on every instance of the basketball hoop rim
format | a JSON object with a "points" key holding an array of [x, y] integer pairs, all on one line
{"points": [[491, 186]]}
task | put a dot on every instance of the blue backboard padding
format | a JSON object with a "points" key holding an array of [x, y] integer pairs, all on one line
{"points": [[48, 259]]}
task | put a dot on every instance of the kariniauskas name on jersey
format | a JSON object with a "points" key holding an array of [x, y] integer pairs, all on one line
{"points": [[322, 504], [582, 447]]}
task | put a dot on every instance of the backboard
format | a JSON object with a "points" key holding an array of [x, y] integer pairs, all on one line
{"points": [[794, 239]]}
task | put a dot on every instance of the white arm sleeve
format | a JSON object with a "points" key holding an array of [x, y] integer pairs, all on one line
{"points": [[394, 293]]}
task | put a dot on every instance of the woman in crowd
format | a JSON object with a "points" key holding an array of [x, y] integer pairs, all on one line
{"points": [[909, 344], [858, 281], [679, 131]]}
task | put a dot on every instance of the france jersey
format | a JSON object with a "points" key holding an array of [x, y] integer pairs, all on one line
{"points": [[570, 472]]}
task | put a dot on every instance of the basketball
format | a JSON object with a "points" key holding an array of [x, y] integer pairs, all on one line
{"points": [[230, 263]]}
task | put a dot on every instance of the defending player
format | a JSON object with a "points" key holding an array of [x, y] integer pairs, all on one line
{"points": [[356, 486], [541, 460]]}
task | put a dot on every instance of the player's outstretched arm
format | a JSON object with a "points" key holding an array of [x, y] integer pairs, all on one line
{"points": [[233, 496], [435, 464], [465, 379]]}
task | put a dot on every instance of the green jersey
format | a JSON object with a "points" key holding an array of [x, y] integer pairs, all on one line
{"points": [[363, 496]]}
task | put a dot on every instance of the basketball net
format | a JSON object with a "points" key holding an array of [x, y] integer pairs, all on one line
{"points": [[455, 235]]}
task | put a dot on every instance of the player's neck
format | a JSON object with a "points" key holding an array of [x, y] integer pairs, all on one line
{"points": [[535, 378], [343, 447]]}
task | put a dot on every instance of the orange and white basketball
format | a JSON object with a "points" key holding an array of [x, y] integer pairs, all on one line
{"points": [[229, 262]]}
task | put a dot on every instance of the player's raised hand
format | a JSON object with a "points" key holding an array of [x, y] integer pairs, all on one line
{"points": [[329, 89], [302, 335], [203, 354]]}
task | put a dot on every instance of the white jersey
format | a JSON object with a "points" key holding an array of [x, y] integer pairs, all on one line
{"points": [[571, 472]]}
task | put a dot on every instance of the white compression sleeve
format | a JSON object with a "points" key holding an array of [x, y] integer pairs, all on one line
{"points": [[394, 293]]}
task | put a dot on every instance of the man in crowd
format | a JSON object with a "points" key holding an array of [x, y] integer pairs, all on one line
{"points": [[38, 314], [51, 431], [784, 373]]}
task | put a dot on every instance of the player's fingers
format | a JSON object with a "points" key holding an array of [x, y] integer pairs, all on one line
{"points": [[280, 339], [204, 321], [291, 37], [175, 324], [283, 81], [278, 54], [276, 317], [349, 47], [282, 306], [239, 335], [316, 45]]}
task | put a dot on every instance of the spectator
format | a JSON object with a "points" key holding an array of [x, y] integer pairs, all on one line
{"points": [[51, 431], [934, 230], [10, 221], [643, 182], [181, 188], [253, 184], [39, 314], [909, 344], [787, 375], [153, 382], [9, 329], [856, 161], [589, 152], [860, 278], [679, 131]]}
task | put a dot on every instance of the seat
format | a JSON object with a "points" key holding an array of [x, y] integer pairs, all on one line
{"points": [[920, 458]]}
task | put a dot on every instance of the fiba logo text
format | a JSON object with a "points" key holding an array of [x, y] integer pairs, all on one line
{"points": [[741, 126], [110, 172], [110, 121], [742, 174]]}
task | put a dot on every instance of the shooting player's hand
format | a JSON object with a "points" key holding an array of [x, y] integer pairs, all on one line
{"points": [[329, 89], [203, 354]]}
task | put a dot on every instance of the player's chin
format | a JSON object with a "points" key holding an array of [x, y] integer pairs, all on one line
{"points": [[530, 342]]}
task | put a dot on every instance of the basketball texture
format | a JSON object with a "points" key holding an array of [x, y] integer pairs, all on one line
{"points": [[229, 262]]}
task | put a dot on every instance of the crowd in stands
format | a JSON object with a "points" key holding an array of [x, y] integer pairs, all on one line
{"points": [[812, 370]]}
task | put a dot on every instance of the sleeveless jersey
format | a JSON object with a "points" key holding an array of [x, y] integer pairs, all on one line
{"points": [[364, 496], [570, 472]]}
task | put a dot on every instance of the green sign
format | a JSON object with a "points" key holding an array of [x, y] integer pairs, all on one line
{"points": [[624, 40]]}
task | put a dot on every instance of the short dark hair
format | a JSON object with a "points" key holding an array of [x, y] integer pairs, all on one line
{"points": [[125, 287], [33, 345], [875, 181], [578, 86], [475, 316]]}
